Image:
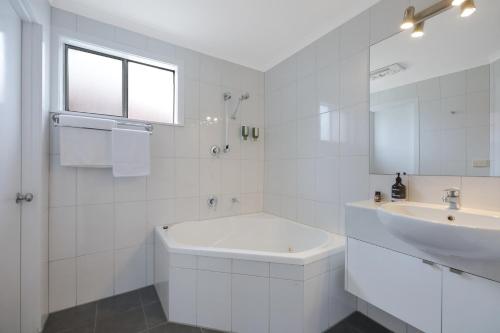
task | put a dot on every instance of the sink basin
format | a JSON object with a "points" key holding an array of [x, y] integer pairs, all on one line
{"points": [[466, 233]]}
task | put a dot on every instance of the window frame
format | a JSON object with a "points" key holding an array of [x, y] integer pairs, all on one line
{"points": [[125, 61]]}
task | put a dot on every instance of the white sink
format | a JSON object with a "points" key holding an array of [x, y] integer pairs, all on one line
{"points": [[466, 233]]}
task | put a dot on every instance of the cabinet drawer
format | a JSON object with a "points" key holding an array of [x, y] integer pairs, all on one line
{"points": [[470, 304], [399, 284]]}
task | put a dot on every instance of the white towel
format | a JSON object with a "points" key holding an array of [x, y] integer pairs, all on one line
{"points": [[85, 141], [130, 153]]}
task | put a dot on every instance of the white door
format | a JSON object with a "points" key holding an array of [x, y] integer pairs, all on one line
{"points": [[10, 167]]}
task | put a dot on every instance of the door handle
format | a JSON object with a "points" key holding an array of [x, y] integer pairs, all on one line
{"points": [[428, 262], [456, 271], [28, 197]]}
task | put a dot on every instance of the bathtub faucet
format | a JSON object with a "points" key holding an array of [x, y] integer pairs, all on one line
{"points": [[212, 202]]}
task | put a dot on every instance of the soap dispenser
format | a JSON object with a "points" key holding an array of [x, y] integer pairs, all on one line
{"points": [[398, 190]]}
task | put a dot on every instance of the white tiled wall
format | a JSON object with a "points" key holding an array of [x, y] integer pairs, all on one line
{"points": [[317, 133], [476, 192], [317, 128], [100, 227]]}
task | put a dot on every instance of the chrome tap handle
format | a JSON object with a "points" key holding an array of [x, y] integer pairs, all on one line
{"points": [[452, 192], [452, 197]]}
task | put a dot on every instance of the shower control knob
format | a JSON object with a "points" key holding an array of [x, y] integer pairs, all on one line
{"points": [[28, 197], [212, 202], [215, 151]]}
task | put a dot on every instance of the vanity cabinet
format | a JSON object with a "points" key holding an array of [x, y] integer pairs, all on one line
{"points": [[428, 296], [470, 303], [401, 285]]}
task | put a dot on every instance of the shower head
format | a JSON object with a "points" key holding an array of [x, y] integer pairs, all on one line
{"points": [[243, 97]]}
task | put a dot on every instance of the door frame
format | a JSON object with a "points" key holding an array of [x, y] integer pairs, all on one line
{"points": [[34, 170]]}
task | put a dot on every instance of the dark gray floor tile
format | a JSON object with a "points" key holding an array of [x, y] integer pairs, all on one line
{"points": [[131, 321], [344, 327], [174, 328], [358, 323], [78, 317], [117, 304], [88, 329], [148, 295], [154, 314], [206, 330]]}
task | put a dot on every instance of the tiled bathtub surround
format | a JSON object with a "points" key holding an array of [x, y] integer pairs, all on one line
{"points": [[101, 240], [249, 296], [254, 273]]}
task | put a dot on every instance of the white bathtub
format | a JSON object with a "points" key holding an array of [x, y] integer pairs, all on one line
{"points": [[254, 273], [259, 237]]}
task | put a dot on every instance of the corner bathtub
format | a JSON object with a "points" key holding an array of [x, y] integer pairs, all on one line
{"points": [[254, 273]]}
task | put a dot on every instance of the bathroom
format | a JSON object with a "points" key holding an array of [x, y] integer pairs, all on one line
{"points": [[230, 166]]}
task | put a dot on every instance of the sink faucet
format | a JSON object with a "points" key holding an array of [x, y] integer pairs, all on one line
{"points": [[452, 197]]}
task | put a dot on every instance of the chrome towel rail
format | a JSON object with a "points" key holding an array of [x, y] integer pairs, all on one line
{"points": [[148, 127]]}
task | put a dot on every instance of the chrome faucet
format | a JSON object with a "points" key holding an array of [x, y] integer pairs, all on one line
{"points": [[452, 197]]}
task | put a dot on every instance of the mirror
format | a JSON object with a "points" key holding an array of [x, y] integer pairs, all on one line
{"points": [[435, 100]]}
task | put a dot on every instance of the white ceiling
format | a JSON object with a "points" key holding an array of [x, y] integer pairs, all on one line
{"points": [[254, 33], [450, 44]]}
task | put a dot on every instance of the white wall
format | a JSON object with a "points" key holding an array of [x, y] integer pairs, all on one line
{"points": [[101, 228], [310, 175], [317, 126]]}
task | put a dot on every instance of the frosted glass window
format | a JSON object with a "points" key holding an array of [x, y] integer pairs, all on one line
{"points": [[150, 93], [112, 85], [94, 83]]}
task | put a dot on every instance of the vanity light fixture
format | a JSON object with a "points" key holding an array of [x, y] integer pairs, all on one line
{"points": [[418, 32], [467, 8], [411, 19]]}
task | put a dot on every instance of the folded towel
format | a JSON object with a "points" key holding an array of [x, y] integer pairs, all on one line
{"points": [[130, 152], [85, 141], [86, 122]]}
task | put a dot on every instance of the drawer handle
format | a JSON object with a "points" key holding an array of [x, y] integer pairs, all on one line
{"points": [[456, 271], [428, 262]]}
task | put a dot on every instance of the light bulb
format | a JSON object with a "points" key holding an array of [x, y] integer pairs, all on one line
{"points": [[407, 25], [418, 32], [467, 8], [457, 3], [409, 18]]}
